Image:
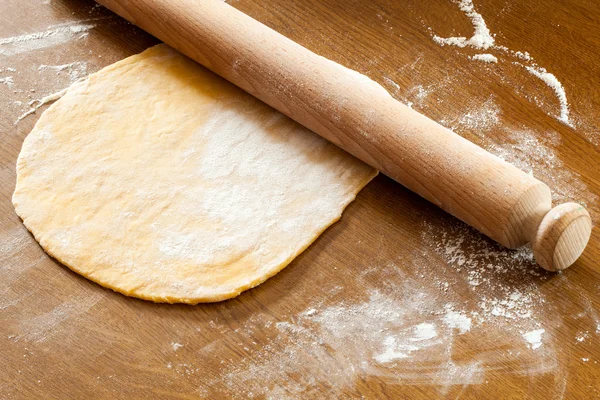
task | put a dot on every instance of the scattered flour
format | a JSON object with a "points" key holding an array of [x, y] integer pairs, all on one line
{"points": [[558, 88], [482, 38], [490, 271], [456, 320], [394, 337], [46, 325], [535, 154], [37, 103], [53, 36], [534, 338], [582, 336], [393, 350], [481, 117], [7, 80], [76, 70], [176, 346], [522, 55], [488, 58], [516, 305], [391, 83], [419, 93]]}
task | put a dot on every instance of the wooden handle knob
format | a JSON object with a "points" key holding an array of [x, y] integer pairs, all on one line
{"points": [[358, 115], [562, 236]]}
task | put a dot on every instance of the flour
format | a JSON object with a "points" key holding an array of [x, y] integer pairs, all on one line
{"points": [[516, 305], [390, 82], [582, 336], [488, 58], [34, 105], [456, 320], [53, 36], [393, 350], [176, 346], [391, 336], [534, 338], [523, 55], [479, 262], [7, 80], [535, 154], [15, 263], [75, 70], [482, 39], [480, 117], [558, 89], [46, 325], [418, 94]]}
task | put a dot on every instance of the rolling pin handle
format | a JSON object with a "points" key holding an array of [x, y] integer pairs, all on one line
{"points": [[562, 236]]}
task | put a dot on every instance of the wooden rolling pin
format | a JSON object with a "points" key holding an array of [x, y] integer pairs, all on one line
{"points": [[359, 116]]}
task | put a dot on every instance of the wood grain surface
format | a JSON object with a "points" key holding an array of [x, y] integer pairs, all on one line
{"points": [[398, 299]]}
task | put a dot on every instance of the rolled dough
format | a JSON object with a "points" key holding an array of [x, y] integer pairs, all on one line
{"points": [[158, 179]]}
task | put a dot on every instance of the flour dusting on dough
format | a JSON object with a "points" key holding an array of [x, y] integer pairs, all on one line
{"points": [[178, 187]]}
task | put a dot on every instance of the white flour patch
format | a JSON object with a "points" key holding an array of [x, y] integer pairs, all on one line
{"points": [[420, 93], [176, 346], [53, 36], [456, 320], [516, 305], [523, 55], [534, 338], [7, 80], [13, 243], [488, 58], [558, 89], [417, 95], [419, 337], [582, 336], [482, 38], [504, 297], [75, 70]]}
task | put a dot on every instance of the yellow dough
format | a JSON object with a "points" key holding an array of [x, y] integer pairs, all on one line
{"points": [[158, 179]]}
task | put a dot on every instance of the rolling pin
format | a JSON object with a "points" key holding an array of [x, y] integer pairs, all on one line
{"points": [[358, 115]]}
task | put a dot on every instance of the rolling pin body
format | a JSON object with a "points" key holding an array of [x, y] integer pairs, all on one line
{"points": [[359, 116]]}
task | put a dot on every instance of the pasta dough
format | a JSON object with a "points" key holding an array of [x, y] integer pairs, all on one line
{"points": [[158, 179]]}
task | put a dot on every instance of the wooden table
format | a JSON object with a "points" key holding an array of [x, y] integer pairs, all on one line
{"points": [[398, 299]]}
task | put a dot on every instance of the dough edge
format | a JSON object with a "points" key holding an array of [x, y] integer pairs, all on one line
{"points": [[207, 298]]}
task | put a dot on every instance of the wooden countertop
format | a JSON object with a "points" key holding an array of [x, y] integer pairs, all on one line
{"points": [[398, 299]]}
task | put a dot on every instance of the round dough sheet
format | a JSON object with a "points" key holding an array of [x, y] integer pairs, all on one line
{"points": [[158, 179]]}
